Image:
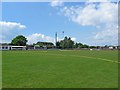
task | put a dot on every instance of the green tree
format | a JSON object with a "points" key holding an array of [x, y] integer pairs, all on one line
{"points": [[19, 40], [58, 44], [85, 46], [92, 46], [66, 43]]}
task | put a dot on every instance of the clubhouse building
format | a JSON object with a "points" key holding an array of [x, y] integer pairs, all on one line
{"points": [[11, 47], [5, 46]]}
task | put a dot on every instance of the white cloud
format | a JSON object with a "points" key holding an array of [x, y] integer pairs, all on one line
{"points": [[91, 1], [92, 14], [9, 30], [11, 26], [55, 3], [33, 38], [108, 35], [73, 38], [102, 15], [98, 1]]}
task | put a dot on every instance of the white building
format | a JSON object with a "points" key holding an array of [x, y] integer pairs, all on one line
{"points": [[10, 47], [5, 47], [111, 47], [18, 48]]}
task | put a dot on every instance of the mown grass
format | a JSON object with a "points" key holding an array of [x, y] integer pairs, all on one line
{"points": [[0, 69], [60, 69]]}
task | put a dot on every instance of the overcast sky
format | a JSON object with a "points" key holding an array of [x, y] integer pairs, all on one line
{"points": [[86, 22]]}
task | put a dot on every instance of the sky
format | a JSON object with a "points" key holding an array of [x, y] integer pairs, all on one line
{"points": [[92, 23]]}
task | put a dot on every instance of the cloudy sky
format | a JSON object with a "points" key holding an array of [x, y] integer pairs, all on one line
{"points": [[93, 23]]}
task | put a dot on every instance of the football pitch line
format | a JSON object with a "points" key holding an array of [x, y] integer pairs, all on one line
{"points": [[108, 60]]}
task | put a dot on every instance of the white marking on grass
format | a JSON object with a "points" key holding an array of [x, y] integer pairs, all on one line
{"points": [[108, 60]]}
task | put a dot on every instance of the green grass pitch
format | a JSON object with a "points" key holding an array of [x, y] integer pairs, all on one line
{"points": [[60, 69]]}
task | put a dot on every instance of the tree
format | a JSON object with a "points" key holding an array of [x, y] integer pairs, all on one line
{"points": [[66, 43], [92, 46], [78, 45], [19, 40], [85, 46], [58, 44]]}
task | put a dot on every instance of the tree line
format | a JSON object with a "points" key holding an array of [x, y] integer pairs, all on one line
{"points": [[66, 43]]}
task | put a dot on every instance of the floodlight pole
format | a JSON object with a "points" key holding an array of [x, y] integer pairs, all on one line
{"points": [[56, 39], [63, 34], [63, 38]]}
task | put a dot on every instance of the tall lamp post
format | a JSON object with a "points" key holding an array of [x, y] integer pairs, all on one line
{"points": [[63, 39], [56, 39], [63, 34]]}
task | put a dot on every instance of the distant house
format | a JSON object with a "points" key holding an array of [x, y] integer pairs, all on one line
{"points": [[30, 47], [113, 47], [37, 47]]}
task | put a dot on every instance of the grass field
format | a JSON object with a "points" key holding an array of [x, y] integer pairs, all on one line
{"points": [[60, 69]]}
